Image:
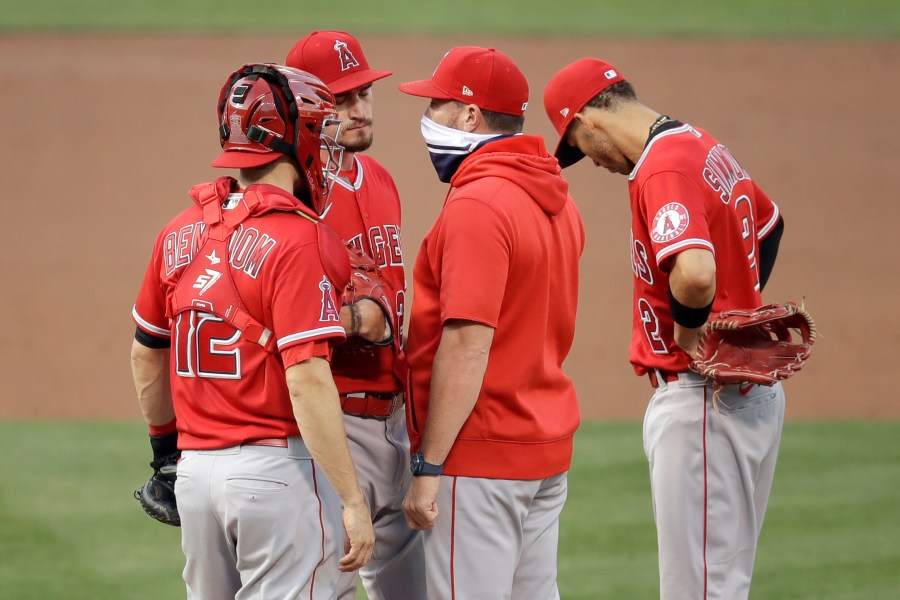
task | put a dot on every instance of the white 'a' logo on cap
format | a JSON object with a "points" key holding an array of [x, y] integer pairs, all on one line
{"points": [[564, 112], [347, 59], [467, 92]]}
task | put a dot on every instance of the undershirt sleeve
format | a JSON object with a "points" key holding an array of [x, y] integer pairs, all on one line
{"points": [[151, 341], [768, 252]]}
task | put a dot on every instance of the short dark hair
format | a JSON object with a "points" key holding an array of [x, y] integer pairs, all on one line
{"points": [[256, 173], [621, 91], [503, 122], [500, 122]]}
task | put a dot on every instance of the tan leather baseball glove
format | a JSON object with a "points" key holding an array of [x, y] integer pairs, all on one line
{"points": [[762, 346]]}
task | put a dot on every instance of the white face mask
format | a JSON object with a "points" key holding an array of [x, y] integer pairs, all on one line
{"points": [[448, 147]]}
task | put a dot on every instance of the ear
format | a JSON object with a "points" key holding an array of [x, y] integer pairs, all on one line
{"points": [[472, 121], [584, 121]]}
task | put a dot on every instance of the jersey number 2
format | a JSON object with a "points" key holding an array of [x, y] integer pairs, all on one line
{"points": [[206, 346], [651, 327]]}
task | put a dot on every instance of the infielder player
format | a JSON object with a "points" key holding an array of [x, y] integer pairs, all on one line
{"points": [[704, 237], [239, 310], [491, 412], [364, 208]]}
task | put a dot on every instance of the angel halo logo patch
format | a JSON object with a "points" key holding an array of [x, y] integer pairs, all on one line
{"points": [[670, 222]]}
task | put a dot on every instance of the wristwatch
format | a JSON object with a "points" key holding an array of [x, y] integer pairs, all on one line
{"points": [[418, 466]]}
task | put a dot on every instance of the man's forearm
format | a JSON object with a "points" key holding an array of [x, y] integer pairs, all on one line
{"points": [[150, 371], [318, 413], [456, 380], [692, 289]]}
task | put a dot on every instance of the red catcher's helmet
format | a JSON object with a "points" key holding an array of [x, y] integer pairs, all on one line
{"points": [[266, 111]]}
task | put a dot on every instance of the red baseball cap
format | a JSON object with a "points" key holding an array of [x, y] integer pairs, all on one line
{"points": [[567, 93], [336, 58], [484, 77]]}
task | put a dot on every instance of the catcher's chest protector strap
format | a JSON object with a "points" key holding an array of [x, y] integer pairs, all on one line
{"points": [[207, 284]]}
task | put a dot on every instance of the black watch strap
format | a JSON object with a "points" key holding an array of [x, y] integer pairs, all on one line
{"points": [[418, 466]]}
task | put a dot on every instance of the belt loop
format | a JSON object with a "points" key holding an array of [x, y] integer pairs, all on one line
{"points": [[661, 377], [297, 448]]}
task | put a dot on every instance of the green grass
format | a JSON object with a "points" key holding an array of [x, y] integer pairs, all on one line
{"points": [[69, 527], [781, 18]]}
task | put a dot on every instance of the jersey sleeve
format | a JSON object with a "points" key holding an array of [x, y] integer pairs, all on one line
{"points": [[149, 312], [297, 353], [767, 213], [305, 307], [675, 213], [475, 250]]}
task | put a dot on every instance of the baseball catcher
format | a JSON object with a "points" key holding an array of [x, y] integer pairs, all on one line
{"points": [[157, 496], [760, 346]]}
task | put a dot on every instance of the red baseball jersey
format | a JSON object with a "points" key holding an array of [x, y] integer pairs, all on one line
{"points": [[503, 252], [688, 191], [227, 389], [364, 208]]}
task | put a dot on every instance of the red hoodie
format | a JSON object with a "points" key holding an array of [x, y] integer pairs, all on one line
{"points": [[503, 252]]}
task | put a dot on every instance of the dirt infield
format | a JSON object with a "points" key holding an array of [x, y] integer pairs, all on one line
{"points": [[103, 136]]}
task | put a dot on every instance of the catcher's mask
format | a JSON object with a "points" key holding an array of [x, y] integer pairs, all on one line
{"points": [[266, 111]]}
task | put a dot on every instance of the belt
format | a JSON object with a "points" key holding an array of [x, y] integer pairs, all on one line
{"points": [[370, 404], [656, 374], [274, 442]]}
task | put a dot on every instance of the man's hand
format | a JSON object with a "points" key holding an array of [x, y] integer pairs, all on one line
{"points": [[688, 338], [317, 409], [370, 321], [360, 541], [419, 505]]}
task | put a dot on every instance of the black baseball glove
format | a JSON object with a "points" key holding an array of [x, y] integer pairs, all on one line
{"points": [[157, 496]]}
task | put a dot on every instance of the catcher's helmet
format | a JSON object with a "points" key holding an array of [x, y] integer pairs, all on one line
{"points": [[266, 111]]}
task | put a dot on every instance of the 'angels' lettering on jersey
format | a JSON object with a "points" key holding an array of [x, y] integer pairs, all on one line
{"points": [[247, 248], [723, 171], [385, 243], [384, 240]]}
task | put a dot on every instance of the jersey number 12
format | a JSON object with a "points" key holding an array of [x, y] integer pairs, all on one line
{"points": [[205, 346]]}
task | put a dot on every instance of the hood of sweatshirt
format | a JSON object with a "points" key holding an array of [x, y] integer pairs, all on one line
{"points": [[523, 160]]}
